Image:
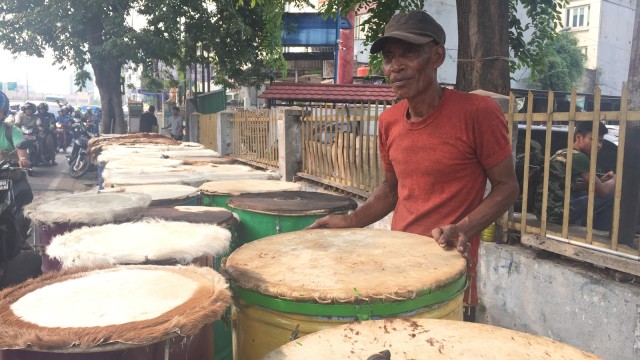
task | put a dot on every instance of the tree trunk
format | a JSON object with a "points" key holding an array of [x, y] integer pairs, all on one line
{"points": [[483, 45], [107, 78], [630, 200]]}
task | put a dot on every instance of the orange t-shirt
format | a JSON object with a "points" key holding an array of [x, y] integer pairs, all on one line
{"points": [[441, 161]]}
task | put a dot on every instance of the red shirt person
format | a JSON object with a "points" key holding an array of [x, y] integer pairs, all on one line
{"points": [[438, 148]]}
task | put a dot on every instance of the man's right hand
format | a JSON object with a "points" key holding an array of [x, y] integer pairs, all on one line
{"points": [[333, 221], [24, 163]]}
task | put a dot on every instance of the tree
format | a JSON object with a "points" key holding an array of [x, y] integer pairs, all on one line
{"points": [[177, 32], [481, 29], [483, 45], [562, 63]]}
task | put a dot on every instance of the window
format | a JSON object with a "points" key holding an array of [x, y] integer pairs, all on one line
{"points": [[359, 31], [578, 16]]}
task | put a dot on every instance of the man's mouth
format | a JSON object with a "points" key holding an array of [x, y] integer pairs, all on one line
{"points": [[399, 81]]}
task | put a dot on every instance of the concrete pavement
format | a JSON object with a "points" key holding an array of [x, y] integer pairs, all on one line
{"points": [[55, 179]]}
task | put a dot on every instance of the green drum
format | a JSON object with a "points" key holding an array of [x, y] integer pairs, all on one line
{"points": [[217, 193], [222, 344], [267, 214]]}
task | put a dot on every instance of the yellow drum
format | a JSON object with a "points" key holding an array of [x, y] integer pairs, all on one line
{"points": [[405, 339], [297, 283], [115, 313]]}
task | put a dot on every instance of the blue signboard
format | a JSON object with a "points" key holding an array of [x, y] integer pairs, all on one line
{"points": [[308, 29]]}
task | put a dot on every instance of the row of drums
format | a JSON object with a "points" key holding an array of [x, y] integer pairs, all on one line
{"points": [[228, 272]]}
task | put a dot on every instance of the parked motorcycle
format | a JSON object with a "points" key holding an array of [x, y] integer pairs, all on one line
{"points": [[79, 162]]}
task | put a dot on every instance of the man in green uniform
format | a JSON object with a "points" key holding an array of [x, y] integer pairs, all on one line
{"points": [[604, 185]]}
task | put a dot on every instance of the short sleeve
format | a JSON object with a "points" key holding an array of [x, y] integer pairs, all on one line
{"points": [[16, 135], [491, 135], [581, 164]]}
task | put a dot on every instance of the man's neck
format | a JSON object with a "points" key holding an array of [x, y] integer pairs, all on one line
{"points": [[420, 107]]}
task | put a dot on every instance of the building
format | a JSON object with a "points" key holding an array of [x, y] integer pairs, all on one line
{"points": [[604, 29]]}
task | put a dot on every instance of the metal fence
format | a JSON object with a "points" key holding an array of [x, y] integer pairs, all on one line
{"points": [[563, 237], [340, 145], [255, 136]]}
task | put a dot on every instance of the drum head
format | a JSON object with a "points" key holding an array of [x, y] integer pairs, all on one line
{"points": [[163, 192], [246, 186], [424, 339], [193, 214], [293, 203], [88, 208], [148, 241], [132, 304], [344, 265]]}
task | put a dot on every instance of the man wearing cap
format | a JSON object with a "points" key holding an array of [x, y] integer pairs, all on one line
{"points": [[438, 148]]}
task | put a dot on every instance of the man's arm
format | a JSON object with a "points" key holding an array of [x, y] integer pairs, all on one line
{"points": [[604, 186], [381, 202], [504, 192]]}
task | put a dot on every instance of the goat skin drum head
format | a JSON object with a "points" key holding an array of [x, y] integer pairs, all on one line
{"points": [[424, 339]]}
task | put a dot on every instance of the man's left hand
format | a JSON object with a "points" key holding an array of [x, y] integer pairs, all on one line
{"points": [[451, 236]]}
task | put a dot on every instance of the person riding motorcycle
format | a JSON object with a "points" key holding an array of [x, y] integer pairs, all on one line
{"points": [[15, 265], [47, 122], [28, 122], [64, 119]]}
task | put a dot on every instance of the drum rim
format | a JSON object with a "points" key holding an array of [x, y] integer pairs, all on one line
{"points": [[363, 309]]}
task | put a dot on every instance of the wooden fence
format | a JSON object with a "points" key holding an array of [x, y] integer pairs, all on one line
{"points": [[255, 137], [340, 145]]}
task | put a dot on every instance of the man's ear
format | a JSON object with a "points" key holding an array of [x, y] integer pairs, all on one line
{"points": [[438, 53]]}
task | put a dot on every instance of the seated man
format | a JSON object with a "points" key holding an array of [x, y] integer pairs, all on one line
{"points": [[604, 185]]}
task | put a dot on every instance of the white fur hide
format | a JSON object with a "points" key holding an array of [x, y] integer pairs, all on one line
{"points": [[138, 242]]}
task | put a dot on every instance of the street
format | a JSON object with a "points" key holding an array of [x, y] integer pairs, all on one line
{"points": [[55, 179]]}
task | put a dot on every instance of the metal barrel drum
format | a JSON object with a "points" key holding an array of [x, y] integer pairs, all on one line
{"points": [[152, 241], [129, 313], [166, 194], [266, 214], [217, 193], [424, 339], [208, 215], [57, 215], [297, 283]]}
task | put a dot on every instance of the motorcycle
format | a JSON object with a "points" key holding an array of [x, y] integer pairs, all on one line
{"points": [[63, 139], [14, 227], [79, 162], [31, 145], [46, 152]]}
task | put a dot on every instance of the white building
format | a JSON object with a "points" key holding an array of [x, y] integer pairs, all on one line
{"points": [[604, 29]]}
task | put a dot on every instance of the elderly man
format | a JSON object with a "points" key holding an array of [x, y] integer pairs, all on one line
{"points": [[438, 147]]}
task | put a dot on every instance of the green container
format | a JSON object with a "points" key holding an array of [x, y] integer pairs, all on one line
{"points": [[215, 200], [267, 214]]}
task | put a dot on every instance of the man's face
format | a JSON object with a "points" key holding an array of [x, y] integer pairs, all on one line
{"points": [[583, 142], [411, 68]]}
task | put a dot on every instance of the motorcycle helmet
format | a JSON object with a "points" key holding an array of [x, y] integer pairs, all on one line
{"points": [[28, 106], [43, 106], [4, 106]]}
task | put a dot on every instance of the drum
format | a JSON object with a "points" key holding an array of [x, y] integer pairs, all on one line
{"points": [[216, 193], [424, 339], [209, 215], [306, 281], [165, 194], [130, 313], [148, 241], [266, 214], [59, 214]]}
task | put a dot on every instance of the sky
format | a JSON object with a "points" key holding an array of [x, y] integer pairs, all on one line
{"points": [[40, 74]]}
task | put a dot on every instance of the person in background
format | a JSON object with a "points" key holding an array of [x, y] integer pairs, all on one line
{"points": [[438, 147], [176, 124], [47, 122], [581, 163], [148, 120]]}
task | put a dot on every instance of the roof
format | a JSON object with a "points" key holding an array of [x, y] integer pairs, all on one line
{"points": [[329, 92]]}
